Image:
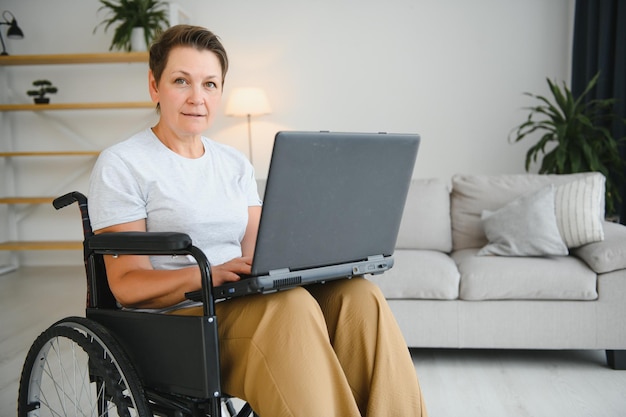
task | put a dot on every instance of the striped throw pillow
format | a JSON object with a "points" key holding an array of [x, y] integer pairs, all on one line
{"points": [[580, 210]]}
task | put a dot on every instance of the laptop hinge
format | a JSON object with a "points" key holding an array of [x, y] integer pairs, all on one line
{"points": [[375, 257], [279, 271]]}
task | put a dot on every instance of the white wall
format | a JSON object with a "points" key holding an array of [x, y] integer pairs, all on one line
{"points": [[452, 70]]}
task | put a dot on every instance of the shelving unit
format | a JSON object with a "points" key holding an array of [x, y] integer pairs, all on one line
{"points": [[56, 59], [15, 203], [76, 106], [40, 245], [51, 153]]}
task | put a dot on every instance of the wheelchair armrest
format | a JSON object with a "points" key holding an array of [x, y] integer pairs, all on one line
{"points": [[140, 242], [157, 243]]}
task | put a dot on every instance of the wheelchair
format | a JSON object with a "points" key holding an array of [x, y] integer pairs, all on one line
{"points": [[116, 362]]}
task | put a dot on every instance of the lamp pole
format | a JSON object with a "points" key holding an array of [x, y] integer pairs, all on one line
{"points": [[249, 116], [4, 48]]}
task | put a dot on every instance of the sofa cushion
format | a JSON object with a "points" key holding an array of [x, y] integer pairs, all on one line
{"points": [[471, 194], [426, 220], [608, 255], [580, 210], [526, 226], [420, 274], [535, 278]]}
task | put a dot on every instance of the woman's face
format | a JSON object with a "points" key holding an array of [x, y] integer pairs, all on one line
{"points": [[189, 91]]}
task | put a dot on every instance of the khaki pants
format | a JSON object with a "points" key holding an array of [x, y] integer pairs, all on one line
{"points": [[328, 350]]}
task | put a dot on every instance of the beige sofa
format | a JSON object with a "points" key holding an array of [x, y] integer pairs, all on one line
{"points": [[446, 293]]}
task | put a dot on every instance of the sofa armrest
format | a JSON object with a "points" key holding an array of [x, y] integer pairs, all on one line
{"points": [[607, 255]]}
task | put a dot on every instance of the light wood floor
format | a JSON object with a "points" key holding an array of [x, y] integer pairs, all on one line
{"points": [[467, 383]]}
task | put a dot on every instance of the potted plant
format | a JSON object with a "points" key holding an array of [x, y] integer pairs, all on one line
{"points": [[578, 129], [147, 16], [43, 87]]}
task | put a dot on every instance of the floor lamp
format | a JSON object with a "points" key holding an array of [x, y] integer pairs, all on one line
{"points": [[248, 102]]}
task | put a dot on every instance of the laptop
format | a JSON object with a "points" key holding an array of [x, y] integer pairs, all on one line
{"points": [[331, 209]]}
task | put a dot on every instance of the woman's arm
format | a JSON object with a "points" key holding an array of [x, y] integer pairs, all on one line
{"points": [[249, 239], [136, 284]]}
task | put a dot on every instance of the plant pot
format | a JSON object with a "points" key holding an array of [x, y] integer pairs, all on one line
{"points": [[42, 100], [138, 40]]}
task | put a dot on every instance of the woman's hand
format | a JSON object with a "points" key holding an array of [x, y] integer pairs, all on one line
{"points": [[231, 270]]}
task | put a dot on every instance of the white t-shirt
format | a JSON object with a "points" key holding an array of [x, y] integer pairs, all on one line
{"points": [[207, 197]]}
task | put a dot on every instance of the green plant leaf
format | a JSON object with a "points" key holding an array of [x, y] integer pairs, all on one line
{"points": [[578, 127], [128, 14]]}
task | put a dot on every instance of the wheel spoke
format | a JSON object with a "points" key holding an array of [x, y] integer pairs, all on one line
{"points": [[70, 382], [75, 368]]}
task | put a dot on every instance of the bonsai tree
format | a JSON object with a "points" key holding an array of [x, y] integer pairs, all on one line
{"points": [[578, 129], [151, 15], [43, 87]]}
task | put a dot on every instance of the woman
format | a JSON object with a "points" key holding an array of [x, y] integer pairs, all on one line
{"points": [[321, 350]]}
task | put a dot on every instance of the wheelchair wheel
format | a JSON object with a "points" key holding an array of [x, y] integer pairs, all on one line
{"points": [[76, 368]]}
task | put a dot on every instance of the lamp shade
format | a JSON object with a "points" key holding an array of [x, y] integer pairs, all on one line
{"points": [[247, 101], [14, 31]]}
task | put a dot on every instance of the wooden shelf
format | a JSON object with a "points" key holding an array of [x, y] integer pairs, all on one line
{"points": [[26, 200], [50, 153], [90, 58], [78, 106], [61, 59], [42, 245]]}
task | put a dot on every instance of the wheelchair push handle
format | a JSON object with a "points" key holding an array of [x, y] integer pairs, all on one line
{"points": [[81, 199], [69, 198]]}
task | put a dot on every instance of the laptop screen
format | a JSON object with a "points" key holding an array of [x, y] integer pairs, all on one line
{"points": [[332, 198]]}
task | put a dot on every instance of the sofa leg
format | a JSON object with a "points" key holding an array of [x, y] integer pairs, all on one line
{"points": [[616, 359]]}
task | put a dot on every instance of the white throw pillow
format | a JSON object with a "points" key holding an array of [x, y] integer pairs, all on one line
{"points": [[526, 226], [471, 194], [580, 210]]}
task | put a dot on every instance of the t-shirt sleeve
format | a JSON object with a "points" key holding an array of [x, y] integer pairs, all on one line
{"points": [[115, 195]]}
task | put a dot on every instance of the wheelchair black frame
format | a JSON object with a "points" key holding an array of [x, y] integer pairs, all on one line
{"points": [[182, 369]]}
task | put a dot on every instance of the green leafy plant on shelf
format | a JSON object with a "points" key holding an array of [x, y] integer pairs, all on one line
{"points": [[43, 87], [575, 137], [151, 15]]}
